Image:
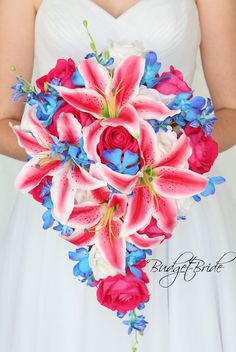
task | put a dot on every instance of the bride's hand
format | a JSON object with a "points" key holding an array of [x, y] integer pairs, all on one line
{"points": [[218, 52], [17, 48]]}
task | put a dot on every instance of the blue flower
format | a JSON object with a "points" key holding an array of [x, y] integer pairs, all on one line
{"points": [[82, 268], [152, 67], [64, 229], [196, 111], [210, 188], [103, 58], [127, 163], [160, 125], [136, 322], [48, 219], [133, 256], [22, 89], [77, 79], [46, 108], [78, 154]]}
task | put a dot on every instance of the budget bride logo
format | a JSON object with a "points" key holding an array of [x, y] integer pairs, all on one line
{"points": [[187, 266]]}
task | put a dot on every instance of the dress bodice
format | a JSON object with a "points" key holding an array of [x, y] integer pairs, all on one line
{"points": [[170, 27]]}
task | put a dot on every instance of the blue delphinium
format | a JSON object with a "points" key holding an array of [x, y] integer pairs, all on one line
{"points": [[135, 322], [133, 256], [125, 163], [46, 109], [68, 152], [103, 58], [64, 230], [77, 79], [196, 111], [82, 268], [160, 125], [78, 155], [48, 219], [210, 188], [152, 68], [22, 88]]}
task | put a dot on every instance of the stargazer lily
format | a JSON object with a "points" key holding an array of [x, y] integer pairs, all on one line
{"points": [[115, 100], [61, 158], [154, 190], [100, 223]]}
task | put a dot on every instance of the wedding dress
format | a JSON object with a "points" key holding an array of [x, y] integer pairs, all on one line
{"points": [[43, 308]]}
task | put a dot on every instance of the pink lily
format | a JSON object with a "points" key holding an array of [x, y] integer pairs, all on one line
{"points": [[157, 186], [100, 224], [163, 181], [114, 100], [67, 174]]}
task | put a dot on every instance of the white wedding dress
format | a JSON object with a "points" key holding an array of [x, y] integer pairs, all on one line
{"points": [[43, 308]]}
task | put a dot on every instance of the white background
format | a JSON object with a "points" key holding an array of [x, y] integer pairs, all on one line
{"points": [[226, 166]]}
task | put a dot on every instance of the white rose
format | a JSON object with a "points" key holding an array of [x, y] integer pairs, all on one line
{"points": [[155, 95], [120, 50], [165, 141], [100, 267], [184, 205]]}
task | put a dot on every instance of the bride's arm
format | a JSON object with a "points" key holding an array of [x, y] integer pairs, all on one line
{"points": [[218, 52], [16, 48]]}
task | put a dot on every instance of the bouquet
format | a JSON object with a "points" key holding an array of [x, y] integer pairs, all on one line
{"points": [[115, 150]]}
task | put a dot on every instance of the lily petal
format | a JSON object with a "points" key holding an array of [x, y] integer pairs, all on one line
{"points": [[165, 212], [32, 173], [92, 133], [127, 78], [25, 140], [112, 247], [40, 133], [139, 211], [63, 195], [68, 128], [148, 143], [151, 109], [81, 179], [85, 215], [127, 118], [82, 99], [143, 241], [95, 75], [120, 201], [121, 182], [177, 183], [81, 238], [179, 154]]}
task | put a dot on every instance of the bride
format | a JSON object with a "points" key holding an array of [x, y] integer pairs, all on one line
{"points": [[42, 307]]}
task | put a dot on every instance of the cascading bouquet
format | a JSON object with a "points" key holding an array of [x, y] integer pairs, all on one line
{"points": [[115, 148]]}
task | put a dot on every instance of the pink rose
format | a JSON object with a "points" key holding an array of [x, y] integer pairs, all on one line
{"points": [[122, 293], [63, 71], [153, 231], [204, 150], [173, 85], [116, 138], [84, 118]]}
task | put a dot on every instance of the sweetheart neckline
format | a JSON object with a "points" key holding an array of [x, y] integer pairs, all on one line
{"points": [[108, 14]]}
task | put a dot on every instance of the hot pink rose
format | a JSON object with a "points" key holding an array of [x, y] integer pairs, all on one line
{"points": [[122, 293], [117, 138], [84, 118], [153, 231], [205, 150], [63, 71], [173, 85]]}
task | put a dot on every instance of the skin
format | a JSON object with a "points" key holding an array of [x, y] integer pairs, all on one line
{"points": [[218, 53]]}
